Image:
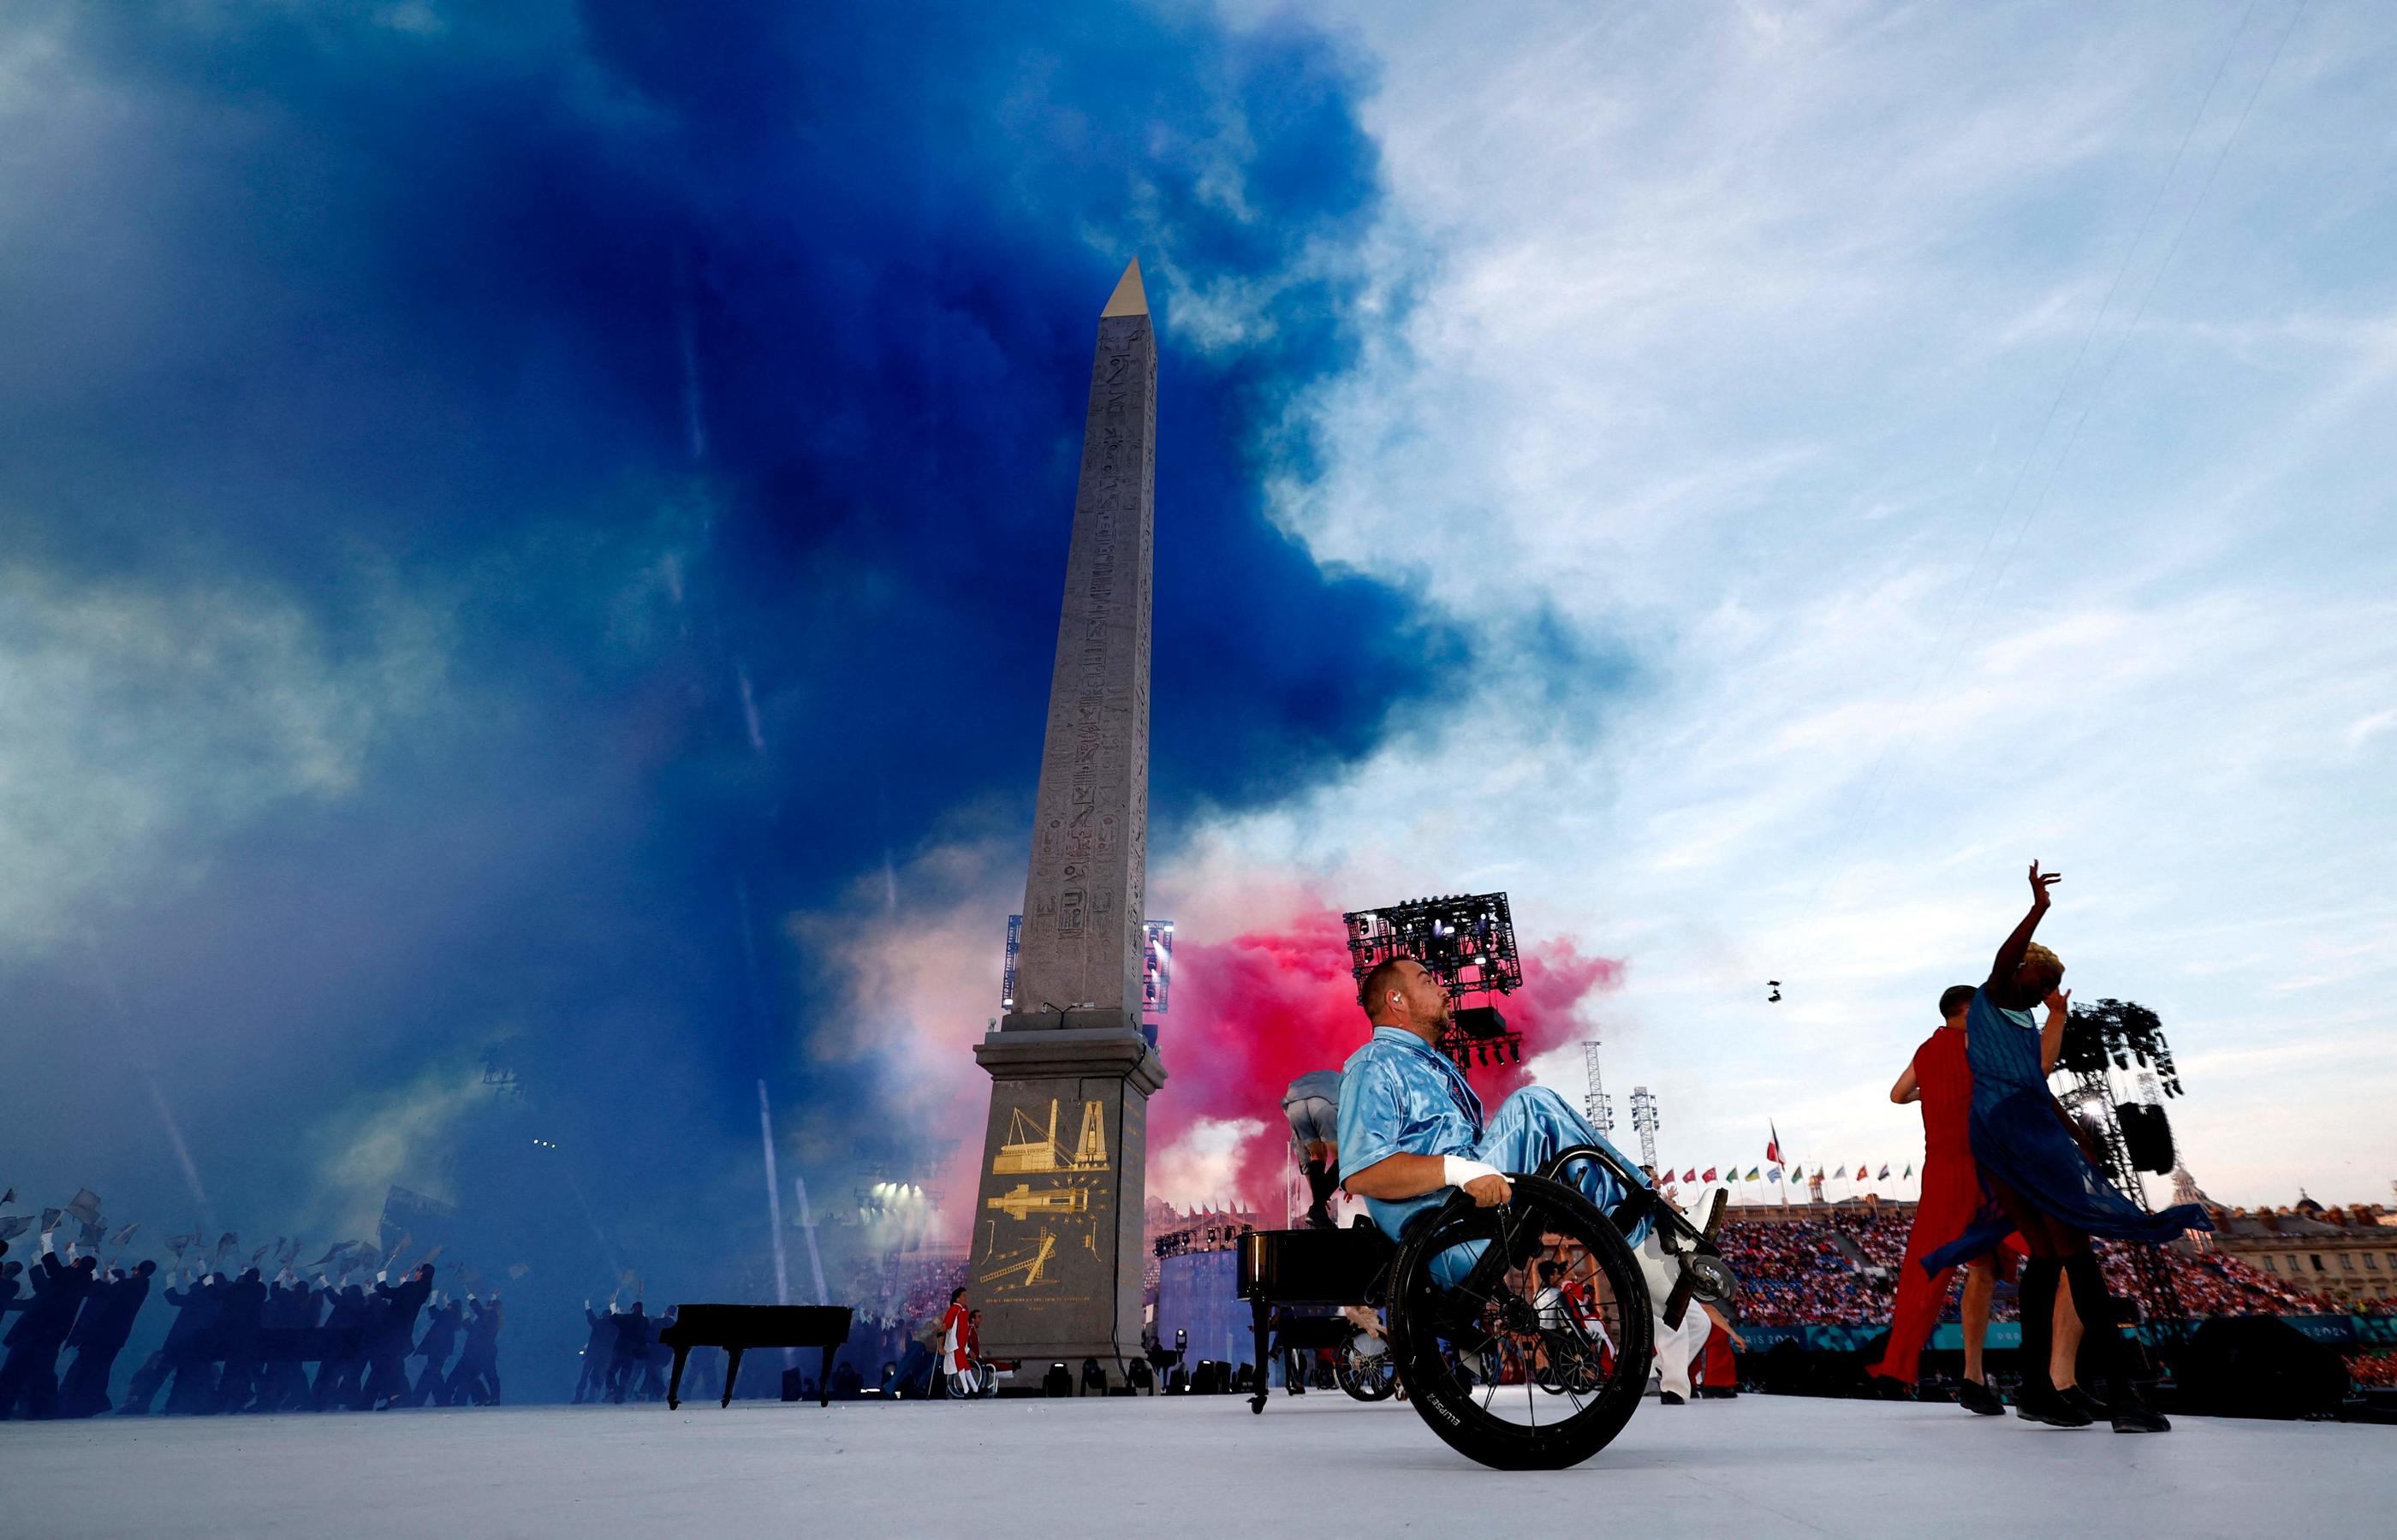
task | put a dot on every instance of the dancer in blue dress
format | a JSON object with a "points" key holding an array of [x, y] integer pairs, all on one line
{"points": [[2044, 1185]]}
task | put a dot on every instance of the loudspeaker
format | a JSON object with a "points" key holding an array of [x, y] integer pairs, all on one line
{"points": [[2148, 1134], [1059, 1381], [2256, 1366], [1209, 1378]]}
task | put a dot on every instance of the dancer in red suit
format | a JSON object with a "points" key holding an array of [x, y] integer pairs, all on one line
{"points": [[1938, 1078], [955, 1322]]}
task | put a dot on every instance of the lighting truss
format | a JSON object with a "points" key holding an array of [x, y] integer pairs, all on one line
{"points": [[1156, 966], [1645, 1122], [1468, 942], [1595, 1104]]}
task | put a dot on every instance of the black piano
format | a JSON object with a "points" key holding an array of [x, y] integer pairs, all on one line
{"points": [[738, 1328], [1308, 1267]]}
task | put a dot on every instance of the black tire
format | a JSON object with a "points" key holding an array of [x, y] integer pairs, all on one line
{"points": [[1368, 1379], [1472, 1351]]}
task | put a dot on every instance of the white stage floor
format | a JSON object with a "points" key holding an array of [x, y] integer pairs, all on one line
{"points": [[1320, 1465]]}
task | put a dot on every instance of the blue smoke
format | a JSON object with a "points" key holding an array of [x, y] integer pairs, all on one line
{"points": [[717, 377]]}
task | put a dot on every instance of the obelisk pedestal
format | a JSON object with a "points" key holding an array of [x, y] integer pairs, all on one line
{"points": [[1058, 1246]]}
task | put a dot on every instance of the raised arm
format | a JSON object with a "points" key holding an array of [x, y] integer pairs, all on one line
{"points": [[2050, 1032], [2010, 956]]}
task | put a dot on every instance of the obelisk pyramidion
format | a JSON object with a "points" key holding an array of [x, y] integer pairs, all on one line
{"points": [[1057, 1247]]}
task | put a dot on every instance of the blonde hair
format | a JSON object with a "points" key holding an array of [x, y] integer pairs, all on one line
{"points": [[2048, 963]]}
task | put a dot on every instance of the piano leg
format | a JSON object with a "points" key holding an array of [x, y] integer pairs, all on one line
{"points": [[824, 1379], [1260, 1321], [732, 1372], [674, 1386]]}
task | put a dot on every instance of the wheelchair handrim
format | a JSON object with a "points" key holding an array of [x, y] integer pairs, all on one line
{"points": [[1472, 1355]]}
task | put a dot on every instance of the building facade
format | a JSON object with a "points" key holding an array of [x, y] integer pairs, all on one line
{"points": [[2349, 1255]]}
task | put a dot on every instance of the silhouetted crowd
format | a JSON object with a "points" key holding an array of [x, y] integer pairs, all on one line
{"points": [[626, 1360], [239, 1342]]}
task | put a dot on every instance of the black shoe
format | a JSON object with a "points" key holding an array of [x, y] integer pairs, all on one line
{"points": [[1977, 1398], [2137, 1417], [2043, 1405], [2081, 1401], [1669, 1398]]}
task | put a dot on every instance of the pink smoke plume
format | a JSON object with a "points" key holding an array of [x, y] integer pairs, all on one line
{"points": [[1252, 1014]]}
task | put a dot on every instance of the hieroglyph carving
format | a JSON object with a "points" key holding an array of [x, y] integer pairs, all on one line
{"points": [[1086, 888]]}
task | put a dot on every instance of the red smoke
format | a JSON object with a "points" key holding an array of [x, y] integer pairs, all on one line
{"points": [[1250, 1015]]}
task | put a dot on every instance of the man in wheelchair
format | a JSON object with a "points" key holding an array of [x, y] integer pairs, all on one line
{"points": [[1517, 1317], [1411, 1127]]}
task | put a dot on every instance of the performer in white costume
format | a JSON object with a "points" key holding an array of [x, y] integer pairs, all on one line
{"points": [[1676, 1350]]}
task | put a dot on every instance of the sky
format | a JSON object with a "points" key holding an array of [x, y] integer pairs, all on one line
{"points": [[529, 540]]}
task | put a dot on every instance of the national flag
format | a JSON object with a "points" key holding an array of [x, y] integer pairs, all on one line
{"points": [[1773, 1175], [85, 1206], [1710, 1174], [1884, 1173], [1773, 1144], [1818, 1173], [1753, 1173], [1689, 1176], [1909, 1168], [1863, 1174]]}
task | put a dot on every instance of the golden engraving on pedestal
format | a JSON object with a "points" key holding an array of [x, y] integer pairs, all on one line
{"points": [[1028, 1150]]}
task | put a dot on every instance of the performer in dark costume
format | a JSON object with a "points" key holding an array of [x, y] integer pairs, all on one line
{"points": [[30, 1374], [1939, 1079], [2044, 1183], [100, 1334], [291, 1307], [239, 1315], [391, 1333], [476, 1378], [443, 1321]]}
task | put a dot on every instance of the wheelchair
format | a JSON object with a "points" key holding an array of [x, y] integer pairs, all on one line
{"points": [[1513, 1364]]}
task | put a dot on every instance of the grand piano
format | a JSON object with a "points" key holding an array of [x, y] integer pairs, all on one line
{"points": [[1281, 1268], [738, 1328]]}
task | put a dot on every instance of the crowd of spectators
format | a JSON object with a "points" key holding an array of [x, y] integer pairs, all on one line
{"points": [[1843, 1269]]}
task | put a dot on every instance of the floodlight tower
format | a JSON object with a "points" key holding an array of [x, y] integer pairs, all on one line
{"points": [[1643, 1119], [1595, 1103]]}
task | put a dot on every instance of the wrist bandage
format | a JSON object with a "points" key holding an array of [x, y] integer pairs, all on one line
{"points": [[1457, 1170]]}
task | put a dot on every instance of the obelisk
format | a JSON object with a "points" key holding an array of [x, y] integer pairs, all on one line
{"points": [[1057, 1248]]}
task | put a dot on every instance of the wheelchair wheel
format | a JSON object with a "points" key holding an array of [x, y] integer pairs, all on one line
{"points": [[1511, 1371], [1368, 1379]]}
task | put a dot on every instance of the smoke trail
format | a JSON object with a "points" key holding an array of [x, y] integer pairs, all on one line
{"points": [[774, 1197], [749, 711], [138, 1051], [815, 1258], [694, 419]]}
